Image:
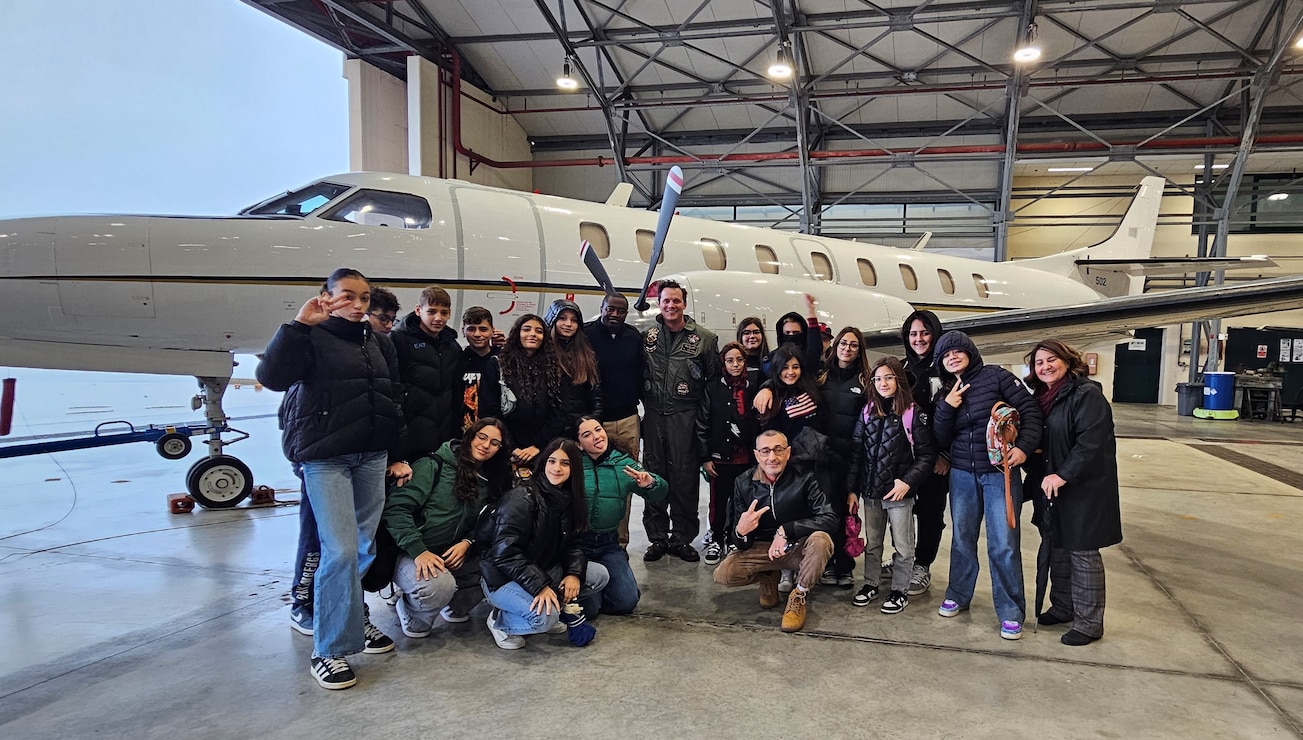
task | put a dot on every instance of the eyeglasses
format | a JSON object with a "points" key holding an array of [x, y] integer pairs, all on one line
{"points": [[751, 332], [848, 345], [384, 319], [883, 378], [494, 443], [775, 450]]}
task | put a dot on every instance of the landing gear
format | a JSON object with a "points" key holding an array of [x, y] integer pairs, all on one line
{"points": [[173, 446], [218, 481]]}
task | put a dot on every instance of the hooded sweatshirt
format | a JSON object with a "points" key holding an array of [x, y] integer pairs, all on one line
{"points": [[963, 430], [809, 343]]}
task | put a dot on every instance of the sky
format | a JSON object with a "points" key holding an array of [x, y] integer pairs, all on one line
{"points": [[195, 107]]}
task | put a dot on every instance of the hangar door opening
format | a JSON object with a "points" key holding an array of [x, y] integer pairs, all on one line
{"points": [[1137, 366]]}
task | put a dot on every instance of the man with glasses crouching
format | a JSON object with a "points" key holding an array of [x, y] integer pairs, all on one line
{"points": [[778, 519]]}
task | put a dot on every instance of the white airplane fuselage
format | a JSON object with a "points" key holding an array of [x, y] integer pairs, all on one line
{"points": [[222, 285]]}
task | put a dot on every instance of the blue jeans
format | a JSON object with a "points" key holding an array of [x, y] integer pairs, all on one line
{"points": [[347, 494], [974, 496], [308, 556], [513, 602], [621, 593]]}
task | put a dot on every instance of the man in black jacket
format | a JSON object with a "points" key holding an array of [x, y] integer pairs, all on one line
{"points": [[430, 361], [620, 364], [778, 519]]}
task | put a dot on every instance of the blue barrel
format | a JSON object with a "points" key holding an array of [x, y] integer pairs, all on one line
{"points": [[1219, 391]]}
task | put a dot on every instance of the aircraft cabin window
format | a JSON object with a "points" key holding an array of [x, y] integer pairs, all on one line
{"points": [[947, 281], [382, 208], [645, 239], [595, 235], [868, 275], [300, 202], [908, 276], [822, 266], [713, 253], [980, 282], [767, 259]]}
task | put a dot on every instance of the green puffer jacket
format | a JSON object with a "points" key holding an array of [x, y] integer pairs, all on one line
{"points": [[607, 489], [424, 514]]}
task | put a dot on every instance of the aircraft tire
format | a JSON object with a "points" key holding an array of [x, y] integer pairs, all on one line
{"points": [[219, 482], [173, 446]]}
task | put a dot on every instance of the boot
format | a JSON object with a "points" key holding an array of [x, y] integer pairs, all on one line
{"points": [[768, 589], [794, 615]]}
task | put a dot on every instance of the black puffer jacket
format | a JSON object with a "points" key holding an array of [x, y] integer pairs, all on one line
{"points": [[963, 430], [842, 398], [584, 399], [621, 364], [720, 428], [883, 454], [533, 532], [795, 501], [1079, 445], [342, 389], [432, 369], [923, 369]]}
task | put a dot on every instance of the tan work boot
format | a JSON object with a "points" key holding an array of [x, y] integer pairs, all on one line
{"points": [[794, 615], [768, 589]]}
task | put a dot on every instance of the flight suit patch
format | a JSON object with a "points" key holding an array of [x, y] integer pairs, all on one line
{"points": [[682, 389]]}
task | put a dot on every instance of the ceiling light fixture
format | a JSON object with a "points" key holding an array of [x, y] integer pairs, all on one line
{"points": [[1030, 51], [1278, 196], [567, 81], [1216, 166], [782, 68], [1070, 169]]}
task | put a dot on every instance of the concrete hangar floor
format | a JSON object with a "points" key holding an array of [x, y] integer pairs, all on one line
{"points": [[123, 620]]}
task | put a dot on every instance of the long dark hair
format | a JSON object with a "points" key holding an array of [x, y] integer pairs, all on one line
{"points": [[1071, 357], [764, 338], [897, 404], [531, 377], [496, 471], [804, 384], [830, 357], [578, 503], [575, 354]]}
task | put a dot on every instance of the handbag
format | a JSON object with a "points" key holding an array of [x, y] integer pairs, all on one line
{"points": [[854, 541]]}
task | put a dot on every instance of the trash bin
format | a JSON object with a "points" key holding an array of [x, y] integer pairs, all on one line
{"points": [[1219, 391], [1188, 398]]}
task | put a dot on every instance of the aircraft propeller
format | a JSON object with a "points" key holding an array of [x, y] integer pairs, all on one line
{"points": [[594, 265], [673, 186]]}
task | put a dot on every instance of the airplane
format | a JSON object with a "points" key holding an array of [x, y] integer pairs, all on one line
{"points": [[181, 295]]}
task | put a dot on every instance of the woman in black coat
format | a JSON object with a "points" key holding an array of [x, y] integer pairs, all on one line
{"points": [[534, 563], [843, 389], [533, 373], [1075, 477]]}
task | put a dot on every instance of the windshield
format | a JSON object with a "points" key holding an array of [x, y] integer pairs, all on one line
{"points": [[298, 202]]}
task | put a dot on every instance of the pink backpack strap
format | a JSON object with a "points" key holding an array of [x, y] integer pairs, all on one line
{"points": [[908, 421]]}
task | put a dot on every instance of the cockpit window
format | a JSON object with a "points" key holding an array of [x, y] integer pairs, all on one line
{"points": [[298, 202], [383, 208]]}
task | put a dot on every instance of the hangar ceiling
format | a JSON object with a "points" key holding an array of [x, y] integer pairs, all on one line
{"points": [[890, 102]]}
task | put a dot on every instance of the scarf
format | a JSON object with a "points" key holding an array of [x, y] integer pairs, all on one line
{"points": [[1046, 397]]}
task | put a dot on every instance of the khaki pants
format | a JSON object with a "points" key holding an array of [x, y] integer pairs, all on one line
{"points": [[623, 435], [808, 558]]}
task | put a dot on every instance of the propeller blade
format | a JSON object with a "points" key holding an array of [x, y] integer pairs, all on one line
{"points": [[673, 186], [594, 265]]}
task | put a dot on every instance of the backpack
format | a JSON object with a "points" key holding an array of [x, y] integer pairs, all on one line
{"points": [[907, 420], [1001, 432]]}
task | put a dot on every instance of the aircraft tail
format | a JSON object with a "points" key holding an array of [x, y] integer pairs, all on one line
{"points": [[1110, 268]]}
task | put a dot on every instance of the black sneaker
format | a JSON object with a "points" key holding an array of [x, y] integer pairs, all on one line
{"points": [[332, 673], [375, 640], [866, 595], [829, 578], [687, 553], [655, 551], [895, 603]]}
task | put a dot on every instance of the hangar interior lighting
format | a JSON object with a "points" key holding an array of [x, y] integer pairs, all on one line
{"points": [[1030, 50], [782, 68], [1216, 166], [1069, 169], [1299, 44], [1278, 196], [567, 81]]}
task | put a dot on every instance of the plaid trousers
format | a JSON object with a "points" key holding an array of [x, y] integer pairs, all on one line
{"points": [[1077, 589]]}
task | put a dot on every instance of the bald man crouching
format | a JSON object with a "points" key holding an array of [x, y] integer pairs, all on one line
{"points": [[778, 519]]}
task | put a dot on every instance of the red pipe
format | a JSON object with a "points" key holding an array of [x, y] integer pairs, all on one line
{"points": [[7, 406], [1027, 148]]}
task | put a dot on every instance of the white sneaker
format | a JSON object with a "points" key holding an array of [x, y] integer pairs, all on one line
{"points": [[920, 581], [504, 640], [557, 629], [787, 582]]}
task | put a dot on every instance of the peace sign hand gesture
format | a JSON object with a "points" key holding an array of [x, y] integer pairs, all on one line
{"points": [[750, 519], [318, 308]]}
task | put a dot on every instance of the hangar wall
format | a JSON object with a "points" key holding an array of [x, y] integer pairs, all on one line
{"points": [[377, 119]]}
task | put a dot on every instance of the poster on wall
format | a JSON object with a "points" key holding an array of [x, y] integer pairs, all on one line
{"points": [[1262, 351], [1284, 350], [1298, 350]]}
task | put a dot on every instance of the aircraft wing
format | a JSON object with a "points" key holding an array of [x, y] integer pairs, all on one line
{"points": [[1176, 265], [1109, 319]]}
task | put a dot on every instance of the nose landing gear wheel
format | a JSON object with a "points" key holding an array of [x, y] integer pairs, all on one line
{"points": [[219, 482], [173, 446]]}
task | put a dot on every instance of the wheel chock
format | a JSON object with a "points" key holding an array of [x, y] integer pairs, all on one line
{"points": [[264, 496], [179, 503]]}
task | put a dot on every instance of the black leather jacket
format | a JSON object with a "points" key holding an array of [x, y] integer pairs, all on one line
{"points": [[532, 533], [795, 503]]}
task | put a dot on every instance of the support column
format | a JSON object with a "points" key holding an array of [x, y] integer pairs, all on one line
{"points": [[377, 119]]}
